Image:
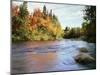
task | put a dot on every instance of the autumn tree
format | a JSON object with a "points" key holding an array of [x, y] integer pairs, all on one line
{"points": [[39, 25], [20, 21]]}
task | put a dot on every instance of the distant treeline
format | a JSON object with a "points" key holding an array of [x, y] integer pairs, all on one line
{"points": [[88, 30], [44, 25]]}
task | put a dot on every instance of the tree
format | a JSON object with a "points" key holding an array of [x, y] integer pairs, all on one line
{"points": [[67, 29], [20, 22], [35, 26], [50, 14], [23, 11], [89, 25], [44, 9], [72, 32]]}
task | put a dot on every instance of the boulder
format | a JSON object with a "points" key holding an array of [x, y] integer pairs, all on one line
{"points": [[85, 50], [84, 58]]}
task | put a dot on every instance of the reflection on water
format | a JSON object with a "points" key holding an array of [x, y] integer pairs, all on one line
{"points": [[44, 56], [43, 61]]}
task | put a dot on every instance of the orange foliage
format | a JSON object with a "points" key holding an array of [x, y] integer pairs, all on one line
{"points": [[15, 10]]}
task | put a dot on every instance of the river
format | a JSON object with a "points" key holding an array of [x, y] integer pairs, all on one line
{"points": [[47, 56]]}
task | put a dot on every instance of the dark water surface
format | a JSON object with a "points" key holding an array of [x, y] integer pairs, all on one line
{"points": [[47, 56]]}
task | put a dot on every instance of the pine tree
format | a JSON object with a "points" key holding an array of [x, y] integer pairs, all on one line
{"points": [[50, 14], [44, 10]]}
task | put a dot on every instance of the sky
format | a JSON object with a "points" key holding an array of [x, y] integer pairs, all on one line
{"points": [[68, 15]]}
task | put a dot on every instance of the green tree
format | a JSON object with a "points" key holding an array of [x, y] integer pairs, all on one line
{"points": [[23, 14], [89, 24], [19, 22], [50, 14], [67, 29], [44, 10]]}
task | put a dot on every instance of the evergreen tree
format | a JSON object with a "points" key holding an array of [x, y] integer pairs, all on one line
{"points": [[50, 14], [89, 25], [23, 10], [44, 10]]}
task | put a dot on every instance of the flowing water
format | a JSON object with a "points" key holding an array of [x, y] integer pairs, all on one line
{"points": [[47, 56]]}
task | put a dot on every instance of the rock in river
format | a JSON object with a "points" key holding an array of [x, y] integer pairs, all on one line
{"points": [[85, 50], [84, 58]]}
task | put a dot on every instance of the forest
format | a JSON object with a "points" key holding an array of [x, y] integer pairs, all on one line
{"points": [[44, 25]]}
